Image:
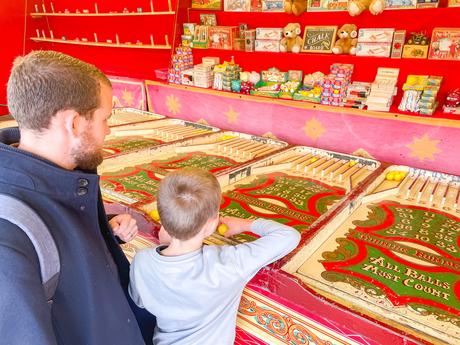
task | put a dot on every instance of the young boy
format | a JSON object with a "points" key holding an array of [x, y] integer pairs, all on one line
{"points": [[194, 290]]}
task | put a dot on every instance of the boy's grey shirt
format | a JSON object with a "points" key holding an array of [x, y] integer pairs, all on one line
{"points": [[195, 296]]}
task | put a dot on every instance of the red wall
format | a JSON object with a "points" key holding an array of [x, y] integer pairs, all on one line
{"points": [[136, 63], [12, 29]]}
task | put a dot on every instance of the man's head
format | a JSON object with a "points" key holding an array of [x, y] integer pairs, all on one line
{"points": [[48, 91], [188, 199]]}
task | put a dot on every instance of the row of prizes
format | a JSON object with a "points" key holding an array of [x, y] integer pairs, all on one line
{"points": [[181, 61]]}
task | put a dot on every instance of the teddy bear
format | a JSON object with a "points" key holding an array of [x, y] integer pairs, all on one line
{"points": [[356, 7], [291, 42], [346, 41], [296, 7]]}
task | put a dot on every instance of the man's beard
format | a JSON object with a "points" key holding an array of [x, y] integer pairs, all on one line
{"points": [[85, 155]]}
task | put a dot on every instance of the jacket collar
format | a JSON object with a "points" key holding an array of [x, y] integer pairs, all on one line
{"points": [[24, 169]]}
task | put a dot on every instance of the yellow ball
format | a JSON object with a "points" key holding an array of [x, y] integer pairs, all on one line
{"points": [[352, 163], [398, 177], [226, 137], [313, 160], [154, 215], [390, 176], [222, 229]]}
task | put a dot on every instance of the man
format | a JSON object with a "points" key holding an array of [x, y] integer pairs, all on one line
{"points": [[62, 105]]}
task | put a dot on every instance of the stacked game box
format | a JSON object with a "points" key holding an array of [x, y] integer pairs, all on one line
{"points": [[203, 75], [357, 93], [335, 84], [420, 93], [383, 89], [181, 61]]}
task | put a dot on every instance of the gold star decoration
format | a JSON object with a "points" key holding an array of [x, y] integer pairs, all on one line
{"points": [[270, 135], [203, 122], [127, 97], [232, 115], [173, 104], [313, 129], [424, 148]]}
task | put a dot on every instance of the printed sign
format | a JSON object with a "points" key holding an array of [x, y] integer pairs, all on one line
{"points": [[319, 39]]}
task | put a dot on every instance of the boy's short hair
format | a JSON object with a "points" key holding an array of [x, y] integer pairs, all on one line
{"points": [[45, 82], [187, 199]]}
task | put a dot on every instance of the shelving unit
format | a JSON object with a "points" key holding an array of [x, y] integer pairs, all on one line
{"points": [[109, 14], [421, 20], [142, 31], [101, 44]]}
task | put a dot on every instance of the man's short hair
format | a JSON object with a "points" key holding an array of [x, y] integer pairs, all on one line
{"points": [[187, 199], [45, 82]]}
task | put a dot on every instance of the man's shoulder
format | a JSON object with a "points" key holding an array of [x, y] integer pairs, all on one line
{"points": [[14, 240]]}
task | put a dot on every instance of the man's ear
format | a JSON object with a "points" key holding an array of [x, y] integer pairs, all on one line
{"points": [[79, 123], [68, 121]]}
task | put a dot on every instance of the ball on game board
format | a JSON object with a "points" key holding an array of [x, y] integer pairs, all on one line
{"points": [[390, 176], [352, 163], [313, 160], [222, 229], [398, 177], [154, 215]]}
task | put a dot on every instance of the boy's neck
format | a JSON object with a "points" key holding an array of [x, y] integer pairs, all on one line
{"points": [[178, 247]]}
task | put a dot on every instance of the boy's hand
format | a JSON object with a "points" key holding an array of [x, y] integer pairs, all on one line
{"points": [[124, 226], [235, 225]]}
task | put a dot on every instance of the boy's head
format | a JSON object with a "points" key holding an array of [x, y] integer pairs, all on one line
{"points": [[187, 200]]}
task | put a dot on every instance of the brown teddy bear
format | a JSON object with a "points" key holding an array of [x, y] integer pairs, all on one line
{"points": [[346, 42], [296, 7], [356, 7], [291, 42]]}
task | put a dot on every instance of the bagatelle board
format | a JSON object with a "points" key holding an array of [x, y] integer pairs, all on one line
{"points": [[133, 178], [138, 136], [296, 187], [394, 254], [122, 116], [7, 121]]}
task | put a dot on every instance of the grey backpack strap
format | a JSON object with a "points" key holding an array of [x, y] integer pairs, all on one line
{"points": [[20, 214]]}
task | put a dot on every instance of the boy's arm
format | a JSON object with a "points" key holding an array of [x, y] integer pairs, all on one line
{"points": [[276, 240], [132, 289]]}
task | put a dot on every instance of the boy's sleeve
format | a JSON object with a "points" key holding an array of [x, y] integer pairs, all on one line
{"points": [[276, 241], [133, 292]]}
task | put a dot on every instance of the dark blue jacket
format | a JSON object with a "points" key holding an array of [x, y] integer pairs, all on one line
{"points": [[90, 305]]}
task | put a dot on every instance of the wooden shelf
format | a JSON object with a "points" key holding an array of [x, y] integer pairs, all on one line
{"points": [[351, 58], [101, 44], [441, 119], [105, 14]]}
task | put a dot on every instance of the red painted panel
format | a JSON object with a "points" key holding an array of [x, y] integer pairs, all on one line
{"points": [[12, 27]]}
